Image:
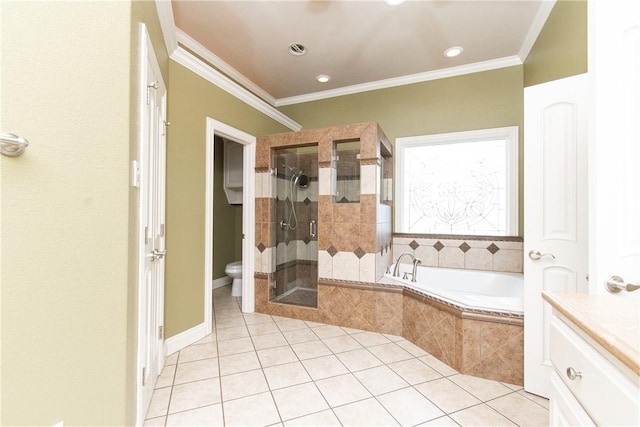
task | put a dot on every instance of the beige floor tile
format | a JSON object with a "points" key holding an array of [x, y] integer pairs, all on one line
{"points": [[324, 367], [351, 331], [413, 349], [286, 375], [276, 356], [414, 371], [172, 359], [393, 338], [229, 322], [260, 342], [255, 318], [357, 360], [196, 370], [319, 419], [299, 400], [209, 338], [520, 410], [380, 380], [300, 335], [389, 353], [285, 324], [480, 415], [235, 346], [238, 363], [157, 422], [369, 339], [256, 410], [328, 331], [311, 349], [243, 384], [542, 401], [159, 403], [205, 416], [409, 407], [481, 388], [263, 329], [513, 387], [342, 389], [198, 352], [446, 395], [165, 379], [341, 344], [232, 333], [439, 422], [439, 366], [194, 395], [367, 412], [313, 324]]}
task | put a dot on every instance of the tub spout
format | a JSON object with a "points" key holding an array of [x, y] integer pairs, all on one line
{"points": [[396, 269], [414, 274]]}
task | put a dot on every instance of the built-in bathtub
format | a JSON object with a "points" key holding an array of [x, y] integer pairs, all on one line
{"points": [[471, 290], [479, 334]]}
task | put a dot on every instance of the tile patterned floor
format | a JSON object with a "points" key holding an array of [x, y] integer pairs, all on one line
{"points": [[260, 370]]}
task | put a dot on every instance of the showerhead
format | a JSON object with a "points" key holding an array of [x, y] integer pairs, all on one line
{"points": [[300, 179]]}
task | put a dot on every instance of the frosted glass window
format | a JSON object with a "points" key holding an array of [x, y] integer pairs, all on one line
{"points": [[461, 183]]}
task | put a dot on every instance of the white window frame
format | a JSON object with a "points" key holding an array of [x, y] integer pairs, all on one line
{"points": [[509, 133]]}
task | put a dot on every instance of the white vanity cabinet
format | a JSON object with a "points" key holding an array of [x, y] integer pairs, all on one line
{"points": [[591, 385]]}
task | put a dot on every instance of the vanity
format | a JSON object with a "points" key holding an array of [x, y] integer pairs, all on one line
{"points": [[594, 345]]}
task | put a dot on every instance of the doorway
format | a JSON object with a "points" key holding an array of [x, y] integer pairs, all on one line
{"points": [[226, 132]]}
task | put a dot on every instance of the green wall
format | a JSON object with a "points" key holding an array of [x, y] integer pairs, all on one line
{"points": [[561, 48], [191, 100], [227, 219], [474, 101]]}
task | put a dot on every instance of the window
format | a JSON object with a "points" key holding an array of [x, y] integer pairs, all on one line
{"points": [[458, 183]]}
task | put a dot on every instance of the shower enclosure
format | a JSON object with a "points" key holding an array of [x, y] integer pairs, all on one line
{"points": [[296, 231]]}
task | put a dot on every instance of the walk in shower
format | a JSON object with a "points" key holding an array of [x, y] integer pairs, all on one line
{"points": [[296, 225]]}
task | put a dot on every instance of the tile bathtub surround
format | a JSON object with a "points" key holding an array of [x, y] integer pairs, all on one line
{"points": [[466, 252], [482, 344], [323, 375]]}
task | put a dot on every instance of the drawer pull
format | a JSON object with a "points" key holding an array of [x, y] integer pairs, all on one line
{"points": [[572, 374]]}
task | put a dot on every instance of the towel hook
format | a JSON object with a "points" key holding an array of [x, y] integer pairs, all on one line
{"points": [[12, 145]]}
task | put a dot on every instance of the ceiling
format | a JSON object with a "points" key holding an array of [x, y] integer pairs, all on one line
{"points": [[366, 43]]}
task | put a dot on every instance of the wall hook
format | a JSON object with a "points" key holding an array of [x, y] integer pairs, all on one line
{"points": [[12, 145]]}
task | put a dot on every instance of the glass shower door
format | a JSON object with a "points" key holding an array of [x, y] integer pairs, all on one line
{"points": [[296, 225]]}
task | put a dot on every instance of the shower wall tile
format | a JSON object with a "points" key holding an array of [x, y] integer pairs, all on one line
{"points": [[478, 259], [368, 268], [427, 254], [343, 266], [325, 265], [257, 259], [324, 182], [368, 179], [368, 209]]}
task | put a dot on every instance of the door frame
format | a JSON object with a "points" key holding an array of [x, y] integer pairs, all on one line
{"points": [[215, 127], [146, 56]]}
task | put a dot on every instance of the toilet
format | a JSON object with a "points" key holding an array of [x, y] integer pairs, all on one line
{"points": [[234, 270]]}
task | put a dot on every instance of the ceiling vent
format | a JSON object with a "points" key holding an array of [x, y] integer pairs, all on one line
{"points": [[297, 49]]}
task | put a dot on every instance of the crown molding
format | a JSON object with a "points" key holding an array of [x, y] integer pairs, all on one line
{"points": [[167, 25], [404, 80], [204, 70], [536, 27], [185, 40]]}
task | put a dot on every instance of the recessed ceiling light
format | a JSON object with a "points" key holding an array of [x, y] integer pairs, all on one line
{"points": [[453, 51], [323, 78], [297, 49]]}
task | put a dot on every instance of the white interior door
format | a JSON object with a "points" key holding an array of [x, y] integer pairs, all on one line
{"points": [[152, 229], [555, 234], [614, 143]]}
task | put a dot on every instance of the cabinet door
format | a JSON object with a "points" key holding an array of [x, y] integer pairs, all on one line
{"points": [[564, 409]]}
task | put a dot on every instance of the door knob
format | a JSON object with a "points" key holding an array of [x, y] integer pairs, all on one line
{"points": [[615, 284], [536, 255]]}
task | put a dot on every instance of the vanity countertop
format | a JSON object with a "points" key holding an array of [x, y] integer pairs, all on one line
{"points": [[612, 321]]}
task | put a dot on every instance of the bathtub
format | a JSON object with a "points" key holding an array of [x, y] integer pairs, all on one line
{"points": [[475, 290]]}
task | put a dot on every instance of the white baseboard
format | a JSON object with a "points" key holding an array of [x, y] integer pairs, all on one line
{"points": [[223, 281], [184, 339]]}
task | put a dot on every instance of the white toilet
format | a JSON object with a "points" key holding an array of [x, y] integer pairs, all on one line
{"points": [[234, 270]]}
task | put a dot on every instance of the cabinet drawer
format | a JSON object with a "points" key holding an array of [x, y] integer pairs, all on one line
{"points": [[608, 396]]}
